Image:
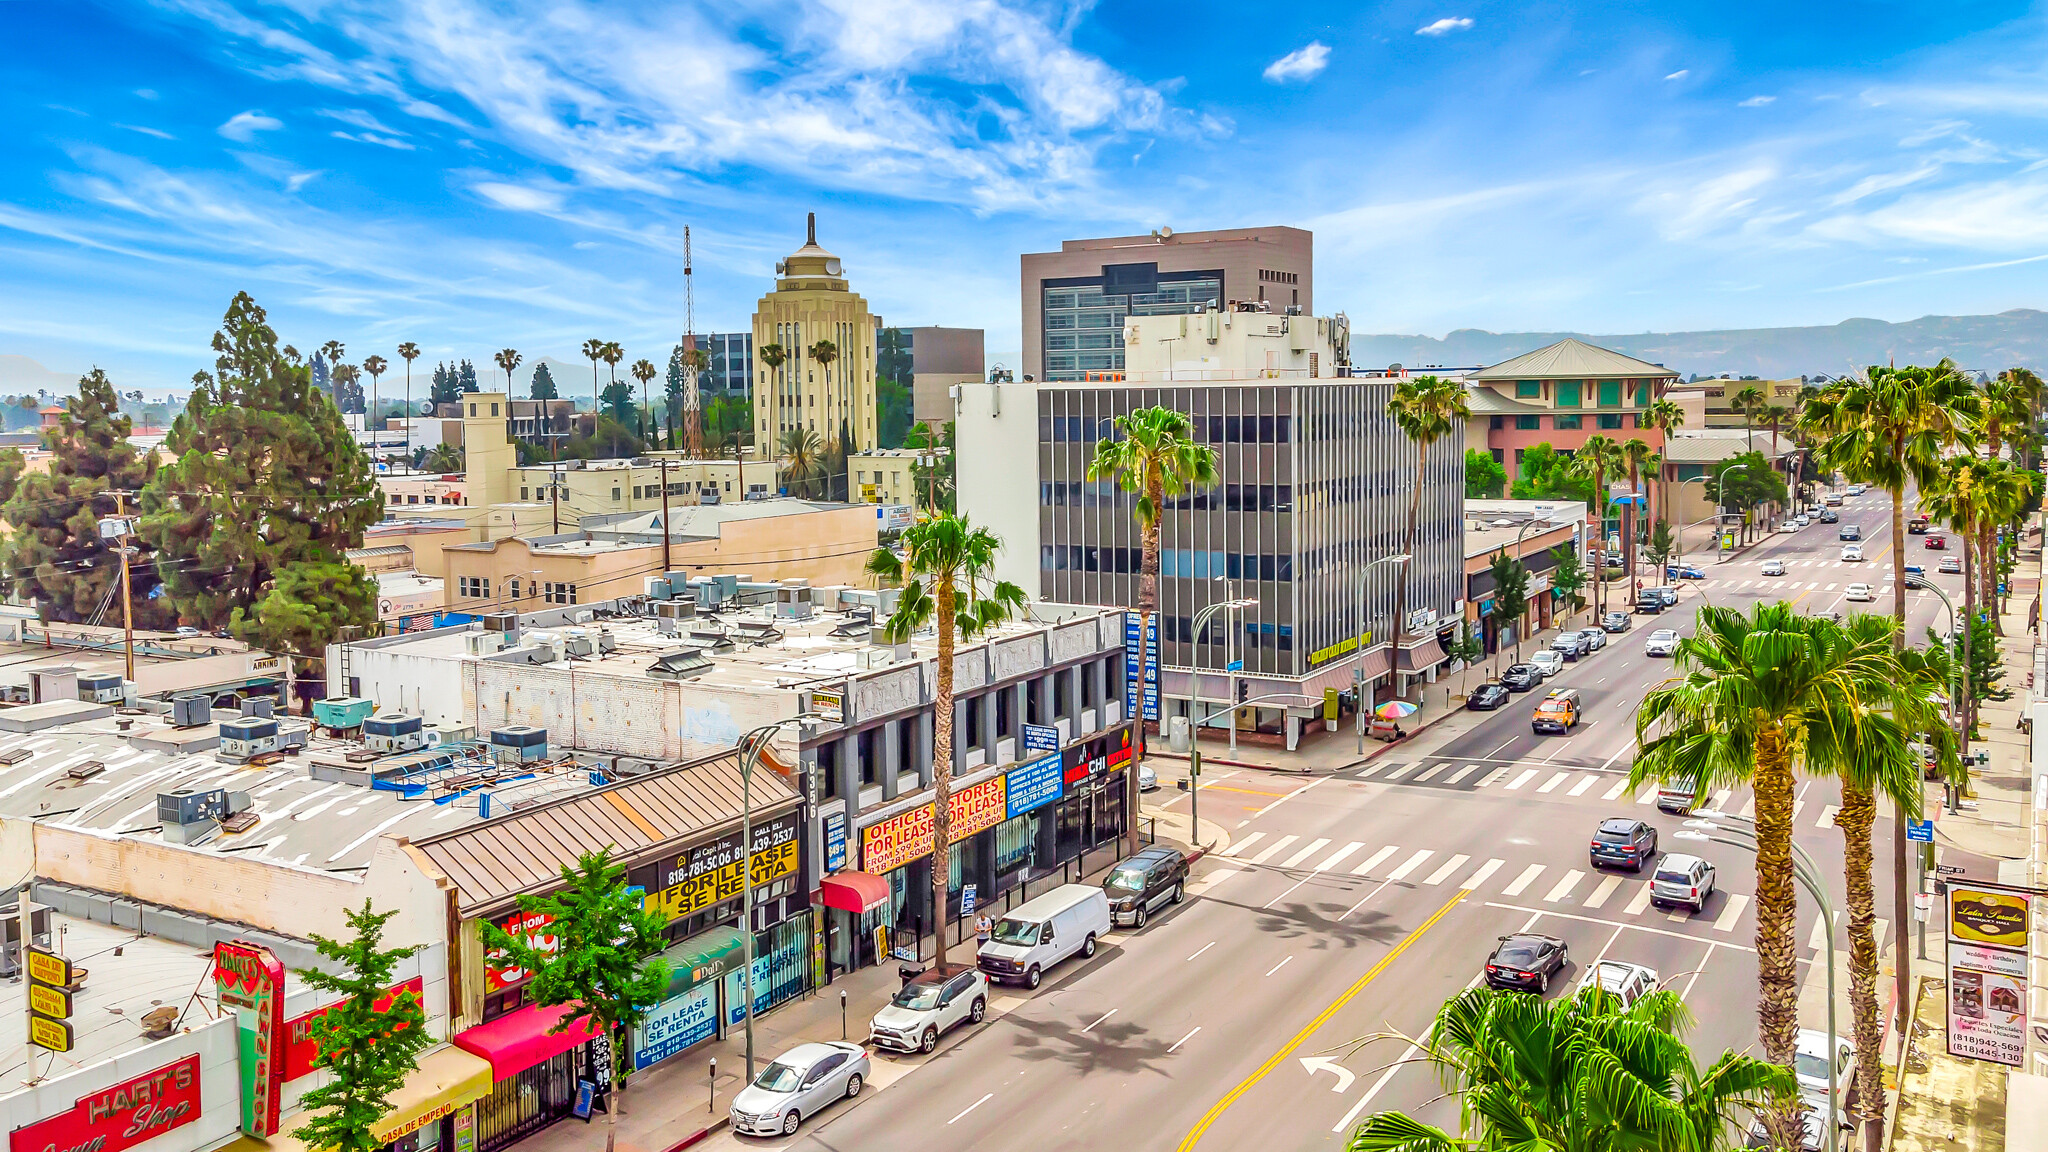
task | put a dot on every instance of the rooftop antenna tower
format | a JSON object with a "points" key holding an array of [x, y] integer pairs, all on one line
{"points": [[693, 360]]}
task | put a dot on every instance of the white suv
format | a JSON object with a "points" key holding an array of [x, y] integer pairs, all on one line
{"points": [[1682, 880], [1626, 982], [1662, 642], [926, 1008]]}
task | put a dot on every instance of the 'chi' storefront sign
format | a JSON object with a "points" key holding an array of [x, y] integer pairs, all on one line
{"points": [[120, 1116], [708, 874], [890, 844], [251, 981]]}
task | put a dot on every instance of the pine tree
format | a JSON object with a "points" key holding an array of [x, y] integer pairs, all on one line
{"points": [[618, 400], [265, 492], [56, 551], [369, 1045], [466, 377], [672, 393], [543, 382], [447, 387], [323, 377]]}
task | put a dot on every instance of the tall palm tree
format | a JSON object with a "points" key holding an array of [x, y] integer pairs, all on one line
{"points": [[375, 365], [1579, 1073], [643, 371], [1757, 698], [408, 352], [825, 352], [1747, 400], [1664, 415], [803, 453], [333, 351], [612, 354], [949, 571], [1636, 454], [593, 351], [2009, 498], [2009, 404], [1153, 454], [507, 359], [772, 356], [1595, 460], [1425, 409]]}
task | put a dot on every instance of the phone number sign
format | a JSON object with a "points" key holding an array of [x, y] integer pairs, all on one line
{"points": [[892, 843]]}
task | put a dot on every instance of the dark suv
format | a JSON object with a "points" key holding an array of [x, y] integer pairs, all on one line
{"points": [[1143, 883], [1623, 842]]}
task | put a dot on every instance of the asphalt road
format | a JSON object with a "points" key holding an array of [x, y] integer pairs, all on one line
{"points": [[1353, 904]]}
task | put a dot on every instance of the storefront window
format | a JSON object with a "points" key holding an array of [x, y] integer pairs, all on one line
{"points": [[1016, 844]]}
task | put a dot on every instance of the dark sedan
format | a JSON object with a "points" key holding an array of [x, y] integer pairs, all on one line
{"points": [[1521, 677], [1614, 622], [1526, 961], [1487, 697], [1623, 842]]}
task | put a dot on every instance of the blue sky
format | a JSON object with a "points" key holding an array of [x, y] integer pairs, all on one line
{"points": [[473, 175]]}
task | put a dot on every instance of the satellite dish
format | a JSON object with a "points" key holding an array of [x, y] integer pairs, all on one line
{"points": [[426, 407]]}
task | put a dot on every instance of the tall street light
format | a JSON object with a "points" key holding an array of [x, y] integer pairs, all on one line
{"points": [[752, 743], [1720, 502], [1358, 673], [1229, 646]]}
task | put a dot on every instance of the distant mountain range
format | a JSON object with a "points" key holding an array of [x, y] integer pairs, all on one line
{"points": [[1980, 343]]}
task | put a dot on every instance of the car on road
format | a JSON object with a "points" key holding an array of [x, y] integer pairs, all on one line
{"points": [[1935, 543], [1917, 526], [1665, 592], [1803, 520], [1144, 883], [1682, 880], [1649, 603], [1855, 489], [1810, 1065], [1834, 500], [1789, 526], [1684, 572], [798, 1085], [1569, 645], [1774, 567], [1559, 713], [1623, 842], [1624, 981], [1526, 961], [1678, 795], [1148, 780], [1950, 564], [1912, 570], [1044, 930], [1595, 639], [1487, 697], [1851, 532], [1858, 592], [1549, 662], [929, 1006], [1614, 622], [1521, 677], [1852, 553], [1830, 516], [1662, 642]]}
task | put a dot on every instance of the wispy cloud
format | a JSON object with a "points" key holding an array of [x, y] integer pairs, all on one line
{"points": [[147, 131], [519, 197], [1304, 63], [1755, 101], [1681, 74], [1445, 26], [373, 138], [243, 126]]}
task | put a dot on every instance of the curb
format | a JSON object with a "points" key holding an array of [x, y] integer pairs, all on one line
{"points": [[700, 1135]]}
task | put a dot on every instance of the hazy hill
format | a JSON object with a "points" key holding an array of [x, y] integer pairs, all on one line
{"points": [[1982, 343]]}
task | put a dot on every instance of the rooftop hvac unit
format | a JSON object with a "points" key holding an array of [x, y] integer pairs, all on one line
{"points": [[248, 737], [342, 713], [728, 585], [606, 642], [501, 621], [675, 609], [101, 688], [659, 589], [192, 816], [519, 744], [868, 658], [710, 593], [793, 603], [582, 616], [191, 710], [545, 648], [389, 732], [483, 643], [261, 707], [577, 642]]}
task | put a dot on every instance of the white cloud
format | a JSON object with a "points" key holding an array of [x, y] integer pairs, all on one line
{"points": [[1303, 63], [1445, 26], [373, 138], [519, 197], [1681, 74], [1756, 101], [243, 126], [147, 131]]}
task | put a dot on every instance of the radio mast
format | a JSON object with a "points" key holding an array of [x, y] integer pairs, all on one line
{"points": [[693, 359]]}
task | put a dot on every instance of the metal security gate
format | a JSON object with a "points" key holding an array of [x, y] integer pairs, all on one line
{"points": [[527, 1102]]}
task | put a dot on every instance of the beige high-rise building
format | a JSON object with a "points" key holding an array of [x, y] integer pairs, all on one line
{"points": [[811, 306]]}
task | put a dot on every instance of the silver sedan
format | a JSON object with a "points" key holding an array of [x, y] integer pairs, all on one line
{"points": [[799, 1084]]}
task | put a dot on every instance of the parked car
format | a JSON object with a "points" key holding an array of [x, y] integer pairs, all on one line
{"points": [[1774, 568], [1487, 697], [1569, 645], [1858, 592], [1145, 883], [1936, 543], [1559, 712], [797, 1085], [1614, 622], [1043, 931], [1677, 795], [1802, 520], [1834, 500], [1624, 981], [1789, 526], [1521, 677], [1852, 553], [1550, 662], [1950, 564], [1662, 642], [1810, 1065], [1595, 639], [1621, 841], [1649, 603], [928, 1007], [1526, 960], [1830, 516], [1851, 532], [1684, 572], [1682, 880], [1148, 780]]}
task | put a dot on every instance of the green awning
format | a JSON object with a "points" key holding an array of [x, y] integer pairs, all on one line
{"points": [[704, 958]]}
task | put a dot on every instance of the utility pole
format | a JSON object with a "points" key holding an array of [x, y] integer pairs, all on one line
{"points": [[665, 565], [127, 600]]}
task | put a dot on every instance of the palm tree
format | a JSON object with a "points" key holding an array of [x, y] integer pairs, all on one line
{"points": [[1425, 409], [1664, 415], [1746, 401], [1597, 457], [1636, 454], [1580, 1073], [825, 352], [593, 351], [375, 366], [408, 352], [612, 354], [643, 371], [1153, 454], [508, 359], [949, 567], [773, 356], [333, 351], [2009, 498], [2009, 402], [1758, 697], [803, 451]]}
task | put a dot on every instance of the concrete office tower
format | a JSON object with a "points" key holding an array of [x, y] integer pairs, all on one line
{"points": [[1076, 299], [811, 305]]}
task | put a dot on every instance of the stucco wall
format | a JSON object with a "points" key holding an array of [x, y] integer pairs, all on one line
{"points": [[220, 1086]]}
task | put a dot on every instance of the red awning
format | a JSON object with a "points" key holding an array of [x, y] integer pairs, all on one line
{"points": [[519, 1040], [855, 892]]}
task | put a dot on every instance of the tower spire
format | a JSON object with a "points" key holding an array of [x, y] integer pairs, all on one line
{"points": [[811, 228]]}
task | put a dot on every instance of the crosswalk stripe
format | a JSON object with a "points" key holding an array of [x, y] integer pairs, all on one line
{"points": [[1640, 900], [1410, 864], [1491, 778], [1444, 870], [1579, 789], [1620, 786], [1239, 847], [1649, 796], [1731, 912], [1461, 773], [1338, 855], [1527, 775], [1827, 816], [1552, 783], [1607, 886], [1677, 916], [1832, 587], [1479, 877], [1371, 770], [1399, 771], [1274, 849], [1528, 875], [1720, 801], [1748, 807], [1313, 848], [1428, 774], [1796, 806], [1374, 859], [1564, 886]]}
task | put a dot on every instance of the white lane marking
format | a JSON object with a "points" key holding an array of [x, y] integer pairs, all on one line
{"points": [[1286, 894], [1182, 1040], [1374, 859], [1614, 923], [1492, 777], [1827, 816], [1615, 792], [1291, 795], [1274, 849], [1100, 1019], [1368, 773], [1579, 789], [1461, 773], [1444, 870], [972, 1107], [1677, 916], [1720, 801], [1527, 877], [1527, 775], [1639, 901], [1410, 864], [1399, 771], [1551, 784], [1730, 913], [1314, 847], [1711, 945], [1564, 886], [1748, 810], [1796, 806], [1600, 894], [1202, 949], [1649, 796], [1332, 860], [1279, 966], [1241, 845], [1479, 877], [1428, 774]]}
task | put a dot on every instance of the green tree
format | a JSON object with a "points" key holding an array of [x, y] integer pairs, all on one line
{"points": [[1425, 409], [369, 1045], [543, 385], [950, 567], [593, 351], [1582, 1074], [672, 387], [447, 386], [1638, 457], [1568, 576], [507, 359], [931, 474], [55, 552], [606, 963], [618, 401], [439, 458], [1747, 400], [1510, 594], [1544, 473], [1745, 483], [1664, 415], [1663, 548], [1485, 478], [826, 353], [263, 479], [893, 404], [1596, 460], [465, 378], [643, 371], [409, 352], [803, 463], [1467, 649]]}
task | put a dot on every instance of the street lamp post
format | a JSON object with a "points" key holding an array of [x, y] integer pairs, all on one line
{"points": [[1721, 504], [1229, 647], [753, 742], [1358, 672]]}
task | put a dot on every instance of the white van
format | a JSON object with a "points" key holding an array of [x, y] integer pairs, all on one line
{"points": [[1043, 931]]}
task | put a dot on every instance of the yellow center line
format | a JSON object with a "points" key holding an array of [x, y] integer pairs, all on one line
{"points": [[1216, 1110]]}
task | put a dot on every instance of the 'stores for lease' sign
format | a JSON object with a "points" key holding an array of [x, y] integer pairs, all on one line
{"points": [[120, 1116], [892, 843]]}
